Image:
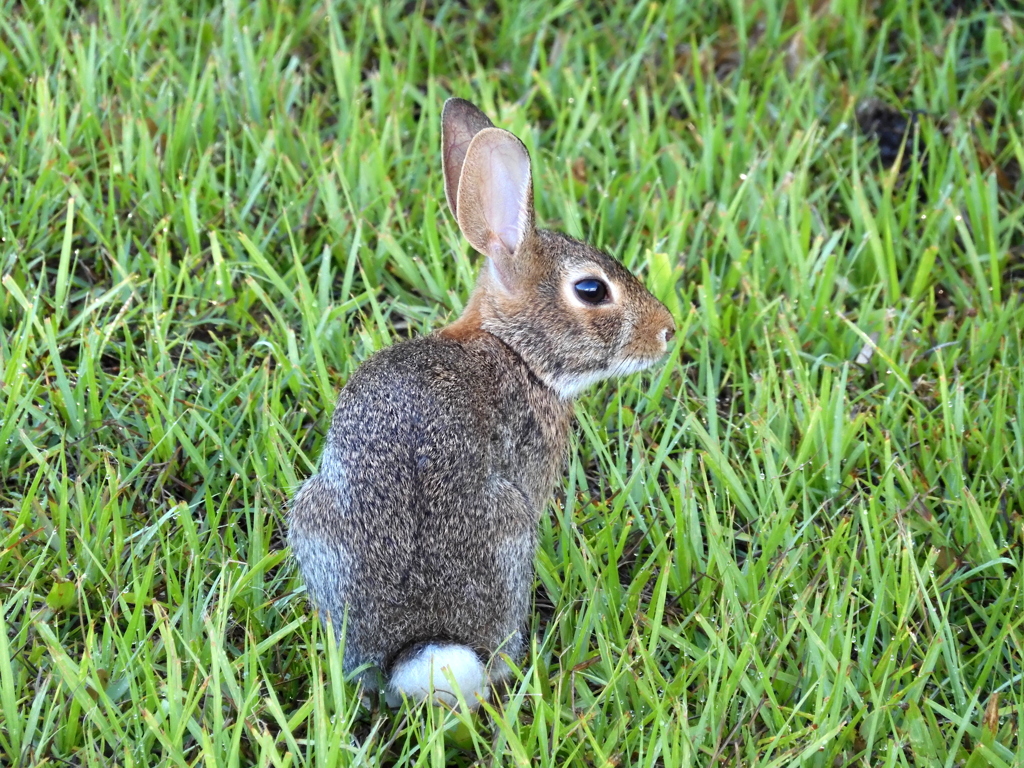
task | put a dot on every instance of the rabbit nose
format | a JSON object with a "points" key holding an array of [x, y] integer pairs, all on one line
{"points": [[669, 326]]}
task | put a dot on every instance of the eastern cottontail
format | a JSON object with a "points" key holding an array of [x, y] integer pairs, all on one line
{"points": [[418, 534]]}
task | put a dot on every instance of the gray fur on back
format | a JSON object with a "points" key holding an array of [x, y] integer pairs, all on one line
{"points": [[421, 523]]}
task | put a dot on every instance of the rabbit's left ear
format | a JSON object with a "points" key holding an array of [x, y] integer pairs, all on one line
{"points": [[460, 122], [495, 203]]}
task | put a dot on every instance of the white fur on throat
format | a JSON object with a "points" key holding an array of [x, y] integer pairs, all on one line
{"points": [[569, 386], [426, 674]]}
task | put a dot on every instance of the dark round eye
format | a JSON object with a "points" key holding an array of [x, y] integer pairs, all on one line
{"points": [[591, 291]]}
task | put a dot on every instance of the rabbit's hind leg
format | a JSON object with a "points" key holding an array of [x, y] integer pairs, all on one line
{"points": [[318, 535]]}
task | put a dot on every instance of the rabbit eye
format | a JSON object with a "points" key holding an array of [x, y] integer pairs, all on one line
{"points": [[591, 291]]}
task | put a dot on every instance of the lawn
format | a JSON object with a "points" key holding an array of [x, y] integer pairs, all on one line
{"points": [[798, 542]]}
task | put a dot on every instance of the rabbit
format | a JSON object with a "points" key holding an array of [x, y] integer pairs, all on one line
{"points": [[418, 533]]}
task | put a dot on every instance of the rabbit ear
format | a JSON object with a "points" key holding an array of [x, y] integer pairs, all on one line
{"points": [[460, 122], [495, 200]]}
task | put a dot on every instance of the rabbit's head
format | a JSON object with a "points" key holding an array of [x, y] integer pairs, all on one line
{"points": [[571, 312]]}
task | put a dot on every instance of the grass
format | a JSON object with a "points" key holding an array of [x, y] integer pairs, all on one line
{"points": [[797, 543]]}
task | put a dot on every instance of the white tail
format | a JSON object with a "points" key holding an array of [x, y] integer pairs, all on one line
{"points": [[430, 671]]}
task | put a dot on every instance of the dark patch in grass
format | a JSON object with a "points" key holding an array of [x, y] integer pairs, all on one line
{"points": [[1013, 272], [892, 130], [943, 298]]}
